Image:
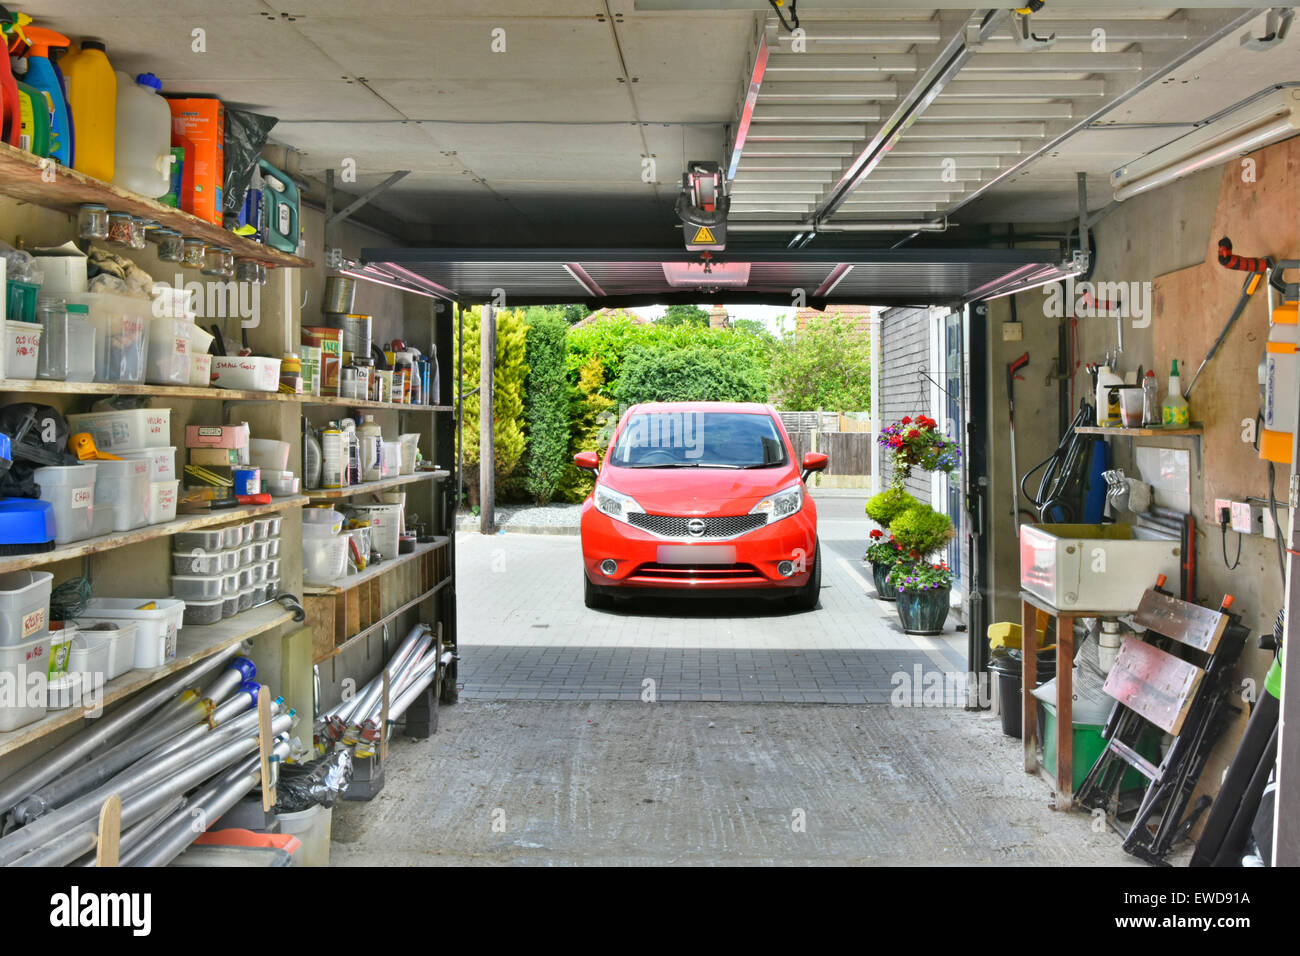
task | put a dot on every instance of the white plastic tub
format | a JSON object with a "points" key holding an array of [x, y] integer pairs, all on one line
{"points": [[410, 443], [22, 346], [312, 827], [324, 559], [200, 370], [89, 658], [130, 430], [250, 372], [81, 349], [385, 527], [70, 490], [124, 485], [162, 461], [24, 605], [163, 498], [169, 352], [118, 644], [24, 668], [121, 334], [155, 641], [268, 453], [64, 691]]}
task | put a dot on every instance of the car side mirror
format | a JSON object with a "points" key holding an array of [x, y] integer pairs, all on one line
{"points": [[813, 461], [587, 461]]}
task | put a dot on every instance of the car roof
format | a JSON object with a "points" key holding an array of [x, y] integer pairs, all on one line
{"points": [[743, 408]]}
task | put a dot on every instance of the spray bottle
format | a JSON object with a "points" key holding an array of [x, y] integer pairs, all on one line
{"points": [[12, 26], [1174, 411], [42, 76]]}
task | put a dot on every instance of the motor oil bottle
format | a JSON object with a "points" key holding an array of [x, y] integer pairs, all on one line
{"points": [[372, 450], [41, 75], [1174, 411], [332, 456], [143, 144]]}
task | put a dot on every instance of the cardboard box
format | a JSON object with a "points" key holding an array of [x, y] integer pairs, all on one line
{"points": [[216, 436], [330, 343], [199, 127], [214, 457]]}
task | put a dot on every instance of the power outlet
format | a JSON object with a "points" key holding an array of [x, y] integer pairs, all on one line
{"points": [[1241, 517], [1220, 505], [1013, 331]]}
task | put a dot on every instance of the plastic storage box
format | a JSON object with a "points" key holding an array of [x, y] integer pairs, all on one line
{"points": [[119, 646], [200, 370], [22, 347], [162, 461], [169, 352], [203, 612], [121, 335], [198, 561], [24, 605], [130, 430], [249, 372], [163, 499], [1092, 567], [245, 598], [197, 587], [70, 490], [89, 658], [125, 486], [17, 664], [157, 627], [211, 539]]}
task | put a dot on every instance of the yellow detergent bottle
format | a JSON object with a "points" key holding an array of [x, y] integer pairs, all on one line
{"points": [[92, 100]]}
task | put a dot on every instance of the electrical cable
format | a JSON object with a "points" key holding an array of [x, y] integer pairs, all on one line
{"points": [[1277, 528], [1223, 533], [794, 14]]}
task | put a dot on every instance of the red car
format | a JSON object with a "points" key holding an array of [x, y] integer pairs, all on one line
{"points": [[700, 498]]}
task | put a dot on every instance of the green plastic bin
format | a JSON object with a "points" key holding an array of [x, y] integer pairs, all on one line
{"points": [[1088, 745]]}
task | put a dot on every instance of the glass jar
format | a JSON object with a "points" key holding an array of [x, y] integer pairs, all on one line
{"points": [[171, 247], [194, 254], [92, 221], [138, 233], [119, 228], [52, 357], [250, 270], [154, 230], [219, 261]]}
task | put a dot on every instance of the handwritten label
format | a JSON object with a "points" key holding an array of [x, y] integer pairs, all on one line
{"points": [[33, 623], [82, 497]]}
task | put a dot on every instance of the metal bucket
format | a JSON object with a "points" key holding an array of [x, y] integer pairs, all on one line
{"points": [[340, 291]]}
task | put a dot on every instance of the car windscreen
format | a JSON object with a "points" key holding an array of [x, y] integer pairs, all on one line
{"points": [[699, 439]]}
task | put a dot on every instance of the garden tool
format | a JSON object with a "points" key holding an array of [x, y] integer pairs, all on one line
{"points": [[83, 446]]}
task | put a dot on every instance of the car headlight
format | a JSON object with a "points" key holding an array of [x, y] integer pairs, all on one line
{"points": [[615, 504], [780, 505]]}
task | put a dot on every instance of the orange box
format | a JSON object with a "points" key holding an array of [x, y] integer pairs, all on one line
{"points": [[330, 343], [199, 125]]}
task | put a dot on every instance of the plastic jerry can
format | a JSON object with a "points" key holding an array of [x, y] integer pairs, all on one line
{"points": [[279, 208], [1279, 383], [42, 75], [92, 98], [144, 135]]}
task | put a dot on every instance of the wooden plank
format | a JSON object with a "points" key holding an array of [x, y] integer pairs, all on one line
{"points": [[1029, 680], [24, 176], [353, 601], [109, 843], [320, 618], [154, 391], [264, 746], [368, 487], [1182, 621], [1194, 431], [1064, 711], [377, 569], [1155, 684], [108, 542]]}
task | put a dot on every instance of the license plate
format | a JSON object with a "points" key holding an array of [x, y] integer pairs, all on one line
{"points": [[697, 554]]}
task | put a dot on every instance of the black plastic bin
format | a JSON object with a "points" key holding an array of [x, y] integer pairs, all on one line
{"points": [[1008, 667]]}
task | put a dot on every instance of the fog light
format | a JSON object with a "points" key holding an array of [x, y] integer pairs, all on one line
{"points": [[608, 567], [785, 568]]}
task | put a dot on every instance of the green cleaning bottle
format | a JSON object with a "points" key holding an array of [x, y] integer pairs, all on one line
{"points": [[1174, 412]]}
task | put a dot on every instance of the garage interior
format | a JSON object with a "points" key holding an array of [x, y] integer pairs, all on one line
{"points": [[981, 163]]}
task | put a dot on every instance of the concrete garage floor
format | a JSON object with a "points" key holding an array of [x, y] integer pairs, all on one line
{"points": [[770, 738]]}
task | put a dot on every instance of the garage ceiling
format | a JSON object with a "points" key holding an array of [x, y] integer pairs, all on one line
{"points": [[576, 134]]}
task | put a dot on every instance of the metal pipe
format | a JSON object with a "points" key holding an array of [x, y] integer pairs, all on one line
{"points": [[171, 774], [106, 731], [939, 225], [362, 702], [397, 681], [417, 687], [180, 730]]}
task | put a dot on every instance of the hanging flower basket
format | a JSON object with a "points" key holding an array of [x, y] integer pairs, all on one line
{"points": [[918, 443]]}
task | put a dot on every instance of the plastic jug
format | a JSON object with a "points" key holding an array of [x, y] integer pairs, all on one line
{"points": [[144, 136], [42, 75], [34, 113], [92, 98], [279, 208], [372, 450]]}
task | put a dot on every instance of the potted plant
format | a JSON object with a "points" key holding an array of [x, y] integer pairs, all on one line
{"points": [[922, 587], [883, 553], [918, 443], [923, 590]]}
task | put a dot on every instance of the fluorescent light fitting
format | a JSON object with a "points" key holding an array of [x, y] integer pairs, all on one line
{"points": [[1269, 119]]}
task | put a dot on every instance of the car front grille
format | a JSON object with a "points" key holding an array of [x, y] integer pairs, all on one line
{"points": [[677, 526], [703, 572]]}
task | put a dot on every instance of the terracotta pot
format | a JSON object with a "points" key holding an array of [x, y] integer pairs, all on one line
{"points": [[923, 612]]}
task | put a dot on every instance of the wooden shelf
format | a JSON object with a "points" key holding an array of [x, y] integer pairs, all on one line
{"points": [[373, 571], [1195, 430], [331, 401], [157, 391], [21, 178], [118, 539], [360, 635], [193, 644], [366, 487]]}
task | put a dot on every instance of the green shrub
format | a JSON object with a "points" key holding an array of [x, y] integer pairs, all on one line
{"points": [[921, 530], [546, 404], [591, 423], [507, 397], [888, 505], [693, 374]]}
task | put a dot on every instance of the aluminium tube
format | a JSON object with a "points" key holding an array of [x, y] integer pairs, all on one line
{"points": [[408, 696], [108, 730], [137, 804], [138, 777], [241, 670], [373, 700], [427, 668], [362, 702], [185, 816], [182, 729], [83, 842], [232, 790]]}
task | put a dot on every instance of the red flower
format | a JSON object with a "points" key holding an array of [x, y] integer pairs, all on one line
{"points": [[910, 433], [913, 554], [877, 534], [906, 420]]}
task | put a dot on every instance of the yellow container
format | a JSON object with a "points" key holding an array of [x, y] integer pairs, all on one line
{"points": [[92, 100]]}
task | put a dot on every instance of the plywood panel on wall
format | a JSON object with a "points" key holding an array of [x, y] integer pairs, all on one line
{"points": [[1192, 305]]}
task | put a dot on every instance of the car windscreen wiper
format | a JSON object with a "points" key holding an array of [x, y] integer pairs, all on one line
{"points": [[688, 464], [764, 464]]}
